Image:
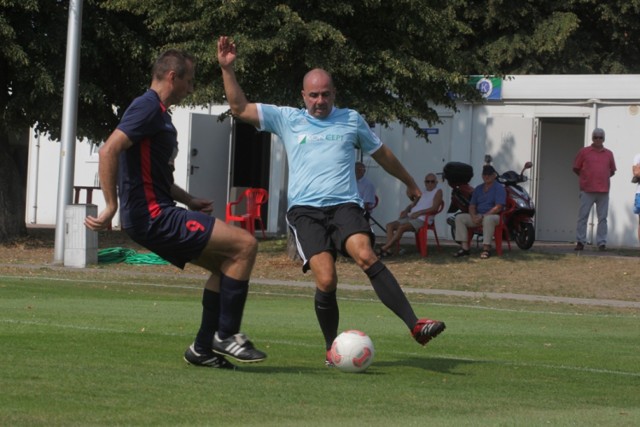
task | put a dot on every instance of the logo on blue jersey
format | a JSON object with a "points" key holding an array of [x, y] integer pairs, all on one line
{"points": [[303, 139]]}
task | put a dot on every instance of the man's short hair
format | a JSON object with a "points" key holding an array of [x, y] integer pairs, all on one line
{"points": [[598, 132], [172, 60]]}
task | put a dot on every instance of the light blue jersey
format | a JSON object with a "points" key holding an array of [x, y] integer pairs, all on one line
{"points": [[320, 152]]}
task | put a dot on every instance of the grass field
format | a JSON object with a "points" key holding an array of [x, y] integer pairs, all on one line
{"points": [[87, 348]]}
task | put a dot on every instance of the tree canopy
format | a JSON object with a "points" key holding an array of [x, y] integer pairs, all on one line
{"points": [[552, 37], [390, 59], [115, 57]]}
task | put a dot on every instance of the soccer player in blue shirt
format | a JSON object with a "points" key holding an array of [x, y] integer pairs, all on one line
{"points": [[136, 164], [325, 212]]}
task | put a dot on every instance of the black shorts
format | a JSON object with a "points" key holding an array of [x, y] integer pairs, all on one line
{"points": [[326, 229], [177, 235]]}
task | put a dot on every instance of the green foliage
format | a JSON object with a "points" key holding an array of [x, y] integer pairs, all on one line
{"points": [[552, 37], [391, 60], [115, 56]]}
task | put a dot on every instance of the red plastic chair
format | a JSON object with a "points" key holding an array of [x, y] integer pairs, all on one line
{"points": [[421, 234], [254, 198], [501, 233]]}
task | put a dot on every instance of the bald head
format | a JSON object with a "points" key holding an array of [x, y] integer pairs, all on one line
{"points": [[318, 93], [315, 76]]}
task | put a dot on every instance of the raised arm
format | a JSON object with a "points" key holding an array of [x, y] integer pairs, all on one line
{"points": [[240, 107], [390, 163]]}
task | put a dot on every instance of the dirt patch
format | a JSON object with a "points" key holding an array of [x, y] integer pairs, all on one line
{"points": [[544, 270]]}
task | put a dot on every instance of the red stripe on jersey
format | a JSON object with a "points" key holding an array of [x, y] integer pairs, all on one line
{"points": [[147, 179]]}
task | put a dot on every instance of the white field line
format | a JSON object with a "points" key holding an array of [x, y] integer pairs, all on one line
{"points": [[445, 292], [474, 295], [399, 353]]}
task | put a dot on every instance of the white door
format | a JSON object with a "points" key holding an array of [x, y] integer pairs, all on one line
{"points": [[208, 174]]}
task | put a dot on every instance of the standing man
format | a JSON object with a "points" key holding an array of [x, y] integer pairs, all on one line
{"points": [[636, 180], [487, 201], [366, 189], [325, 213], [138, 157], [594, 166]]}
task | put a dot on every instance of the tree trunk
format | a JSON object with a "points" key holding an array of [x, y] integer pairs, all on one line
{"points": [[12, 195]]}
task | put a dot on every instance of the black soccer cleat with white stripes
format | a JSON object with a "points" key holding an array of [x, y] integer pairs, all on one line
{"points": [[238, 347], [206, 358]]}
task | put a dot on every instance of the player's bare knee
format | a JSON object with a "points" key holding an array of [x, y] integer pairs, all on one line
{"points": [[248, 247], [326, 283], [365, 258], [326, 279]]}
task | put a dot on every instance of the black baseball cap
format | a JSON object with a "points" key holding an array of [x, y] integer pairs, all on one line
{"points": [[488, 170]]}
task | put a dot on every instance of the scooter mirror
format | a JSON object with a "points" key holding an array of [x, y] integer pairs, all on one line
{"points": [[528, 165]]}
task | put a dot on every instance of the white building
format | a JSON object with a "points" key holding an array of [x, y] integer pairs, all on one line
{"points": [[545, 119]]}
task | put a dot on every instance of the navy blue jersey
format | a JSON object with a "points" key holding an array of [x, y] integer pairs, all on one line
{"points": [[146, 169]]}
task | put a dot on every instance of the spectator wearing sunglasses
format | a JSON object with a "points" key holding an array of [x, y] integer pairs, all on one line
{"points": [[413, 216], [594, 166]]}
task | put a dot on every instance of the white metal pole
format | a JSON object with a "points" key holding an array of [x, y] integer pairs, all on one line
{"points": [[69, 121]]}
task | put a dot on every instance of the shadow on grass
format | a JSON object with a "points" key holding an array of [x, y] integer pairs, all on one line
{"points": [[437, 365], [440, 365]]}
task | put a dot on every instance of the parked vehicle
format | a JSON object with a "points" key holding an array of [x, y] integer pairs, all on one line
{"points": [[457, 175], [520, 222]]}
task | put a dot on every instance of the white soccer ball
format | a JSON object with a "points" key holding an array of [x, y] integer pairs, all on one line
{"points": [[352, 351]]}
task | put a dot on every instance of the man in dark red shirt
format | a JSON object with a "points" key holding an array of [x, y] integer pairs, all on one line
{"points": [[594, 165]]}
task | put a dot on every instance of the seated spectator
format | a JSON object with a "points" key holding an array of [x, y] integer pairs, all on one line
{"points": [[487, 201], [413, 216], [365, 187]]}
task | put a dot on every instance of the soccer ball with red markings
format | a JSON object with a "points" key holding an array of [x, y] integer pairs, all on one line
{"points": [[352, 351]]}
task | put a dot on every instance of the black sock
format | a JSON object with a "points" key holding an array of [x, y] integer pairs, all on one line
{"points": [[210, 318], [328, 315], [390, 293], [233, 295]]}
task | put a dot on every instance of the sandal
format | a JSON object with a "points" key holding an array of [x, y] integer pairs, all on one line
{"points": [[485, 254], [461, 253]]}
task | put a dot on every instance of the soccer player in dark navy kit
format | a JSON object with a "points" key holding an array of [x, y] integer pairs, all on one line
{"points": [[326, 214], [138, 157]]}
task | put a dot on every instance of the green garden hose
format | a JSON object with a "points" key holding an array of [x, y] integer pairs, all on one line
{"points": [[128, 256]]}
